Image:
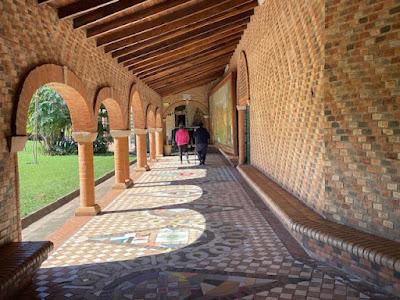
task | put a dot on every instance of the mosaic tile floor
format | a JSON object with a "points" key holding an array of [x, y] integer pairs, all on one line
{"points": [[188, 232]]}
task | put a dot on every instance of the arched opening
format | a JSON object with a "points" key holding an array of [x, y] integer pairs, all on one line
{"points": [[189, 113]]}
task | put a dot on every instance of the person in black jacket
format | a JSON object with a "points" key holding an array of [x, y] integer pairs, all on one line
{"points": [[201, 136]]}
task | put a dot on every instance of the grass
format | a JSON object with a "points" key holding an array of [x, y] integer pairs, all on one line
{"points": [[53, 177]]}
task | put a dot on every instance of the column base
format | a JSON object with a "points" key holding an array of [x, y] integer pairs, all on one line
{"points": [[87, 210], [160, 155], [143, 169], [123, 185]]}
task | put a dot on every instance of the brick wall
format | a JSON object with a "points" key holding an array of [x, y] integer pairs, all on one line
{"points": [[283, 45], [325, 106], [30, 36], [362, 110]]}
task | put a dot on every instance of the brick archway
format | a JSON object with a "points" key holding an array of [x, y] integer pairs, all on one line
{"points": [[150, 116], [196, 104], [112, 102], [242, 86], [158, 114], [137, 108], [65, 83]]}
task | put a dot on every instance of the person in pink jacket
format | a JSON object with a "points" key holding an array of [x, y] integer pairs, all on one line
{"points": [[182, 140]]}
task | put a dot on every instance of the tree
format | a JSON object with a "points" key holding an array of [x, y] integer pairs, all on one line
{"points": [[49, 119], [103, 139]]}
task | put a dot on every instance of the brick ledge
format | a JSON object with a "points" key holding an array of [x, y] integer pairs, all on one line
{"points": [[299, 218]]}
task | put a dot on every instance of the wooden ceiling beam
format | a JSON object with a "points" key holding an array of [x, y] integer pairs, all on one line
{"points": [[104, 12], [182, 17], [191, 48], [77, 8], [230, 41], [42, 2], [186, 87], [184, 63], [167, 39], [195, 68], [189, 84], [185, 76], [196, 40], [213, 18], [123, 22]]}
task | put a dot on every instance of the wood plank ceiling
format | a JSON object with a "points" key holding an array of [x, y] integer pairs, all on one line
{"points": [[172, 45]]}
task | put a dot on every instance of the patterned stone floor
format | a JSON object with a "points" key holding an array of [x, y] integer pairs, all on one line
{"points": [[188, 232]]}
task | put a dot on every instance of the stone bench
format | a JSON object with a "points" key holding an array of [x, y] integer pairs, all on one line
{"points": [[18, 263], [370, 257]]}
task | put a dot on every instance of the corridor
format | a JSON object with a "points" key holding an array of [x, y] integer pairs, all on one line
{"points": [[188, 232]]}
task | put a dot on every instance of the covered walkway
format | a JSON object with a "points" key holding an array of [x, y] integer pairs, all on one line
{"points": [[188, 232]]}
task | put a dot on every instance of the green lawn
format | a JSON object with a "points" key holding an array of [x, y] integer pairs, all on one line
{"points": [[53, 177]]}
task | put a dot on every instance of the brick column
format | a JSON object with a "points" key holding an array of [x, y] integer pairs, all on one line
{"points": [[241, 133], [206, 122], [121, 158], [152, 140], [141, 151], [88, 206], [159, 142]]}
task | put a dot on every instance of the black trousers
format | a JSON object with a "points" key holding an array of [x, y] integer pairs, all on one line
{"points": [[183, 148], [202, 152]]}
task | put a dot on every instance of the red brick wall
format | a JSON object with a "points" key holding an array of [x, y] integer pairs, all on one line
{"points": [[32, 35], [283, 45], [325, 106], [362, 110]]}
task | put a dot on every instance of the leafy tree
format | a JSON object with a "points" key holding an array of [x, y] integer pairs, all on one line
{"points": [[49, 119], [103, 139]]}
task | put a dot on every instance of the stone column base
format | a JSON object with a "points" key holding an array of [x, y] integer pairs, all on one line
{"points": [[122, 186], [87, 210]]}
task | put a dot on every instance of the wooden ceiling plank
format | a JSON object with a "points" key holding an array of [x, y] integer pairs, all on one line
{"points": [[104, 12], [224, 43], [120, 23], [170, 38], [189, 70], [171, 21], [42, 2], [189, 84], [203, 38], [77, 8], [193, 60], [188, 49], [185, 76], [167, 28]]}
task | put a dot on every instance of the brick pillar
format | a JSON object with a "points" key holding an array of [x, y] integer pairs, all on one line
{"points": [[152, 140], [206, 124], [159, 142], [121, 158], [88, 207], [241, 133], [141, 150]]}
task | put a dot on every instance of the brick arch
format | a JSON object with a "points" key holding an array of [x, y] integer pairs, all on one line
{"points": [[243, 86], [65, 83], [159, 123], [197, 104], [108, 97], [150, 116], [137, 108]]}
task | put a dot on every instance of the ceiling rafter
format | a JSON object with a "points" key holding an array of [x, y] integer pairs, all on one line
{"points": [[187, 76], [105, 12], [193, 60], [203, 38], [186, 49], [77, 8], [172, 26], [126, 21], [208, 50], [189, 84], [182, 17], [220, 62]]}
